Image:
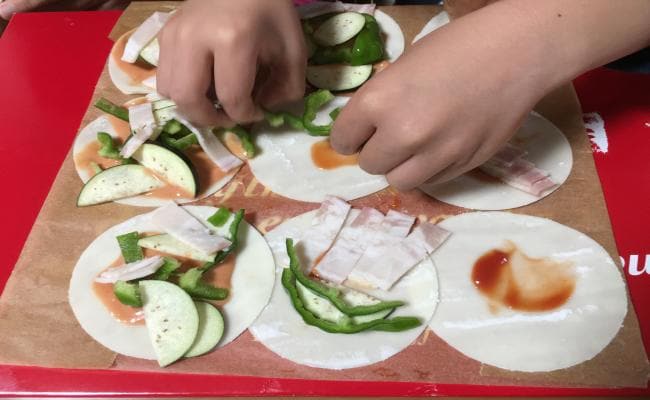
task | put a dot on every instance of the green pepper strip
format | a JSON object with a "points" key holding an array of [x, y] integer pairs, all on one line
{"points": [[368, 47], [127, 293], [277, 119], [165, 271], [246, 141], [108, 148], [179, 144], [128, 243], [113, 109], [191, 282], [333, 294], [396, 324], [313, 103], [331, 55], [222, 254], [172, 127], [220, 217]]}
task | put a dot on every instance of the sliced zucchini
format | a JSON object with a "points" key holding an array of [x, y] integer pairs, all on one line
{"points": [[117, 183], [324, 309], [167, 244], [338, 77], [171, 318], [164, 114], [151, 52], [339, 29], [210, 329], [171, 166]]}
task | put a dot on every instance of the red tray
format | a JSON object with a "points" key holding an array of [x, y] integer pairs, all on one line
{"points": [[49, 64]]}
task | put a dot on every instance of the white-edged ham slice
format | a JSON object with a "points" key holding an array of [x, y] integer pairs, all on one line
{"points": [[325, 226], [508, 155], [392, 230], [522, 175], [180, 224], [135, 270], [317, 8], [396, 260], [212, 146], [144, 34], [348, 247], [144, 127]]}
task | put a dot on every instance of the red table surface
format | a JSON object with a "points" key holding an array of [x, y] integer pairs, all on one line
{"points": [[49, 64]]}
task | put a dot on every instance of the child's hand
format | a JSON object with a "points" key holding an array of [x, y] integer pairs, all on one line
{"points": [[442, 109], [10, 7], [253, 49], [453, 99]]}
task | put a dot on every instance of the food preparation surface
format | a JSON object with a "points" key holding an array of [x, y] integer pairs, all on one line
{"points": [[267, 211]]}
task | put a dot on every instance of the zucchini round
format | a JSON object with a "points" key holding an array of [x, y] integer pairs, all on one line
{"points": [[338, 77], [339, 29], [169, 165], [117, 183]]}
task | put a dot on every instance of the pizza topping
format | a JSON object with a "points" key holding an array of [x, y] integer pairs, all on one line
{"points": [[130, 271], [181, 225], [145, 33], [212, 146], [144, 127], [349, 246], [394, 261], [317, 8], [325, 226]]}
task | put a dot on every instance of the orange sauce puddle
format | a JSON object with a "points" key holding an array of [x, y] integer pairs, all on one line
{"points": [[219, 276], [325, 157], [208, 173], [509, 278], [138, 71], [90, 153]]}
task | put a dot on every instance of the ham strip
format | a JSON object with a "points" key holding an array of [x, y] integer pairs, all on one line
{"points": [[383, 270], [144, 127], [143, 35], [349, 246], [508, 155], [130, 271], [212, 146], [522, 175], [316, 8], [327, 223], [180, 224], [397, 224]]}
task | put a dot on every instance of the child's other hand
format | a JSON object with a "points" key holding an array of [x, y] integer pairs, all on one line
{"points": [[253, 49], [10, 7], [441, 110]]}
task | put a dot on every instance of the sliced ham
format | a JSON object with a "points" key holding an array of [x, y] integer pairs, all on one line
{"points": [[150, 82], [508, 155], [325, 226], [520, 174], [212, 146], [316, 8], [397, 224], [130, 271], [349, 246], [144, 127], [180, 224], [388, 266], [143, 35]]}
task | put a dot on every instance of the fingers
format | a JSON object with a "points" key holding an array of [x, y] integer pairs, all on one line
{"points": [[382, 153], [165, 70], [190, 80], [415, 171], [234, 79], [352, 128], [11, 7]]}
